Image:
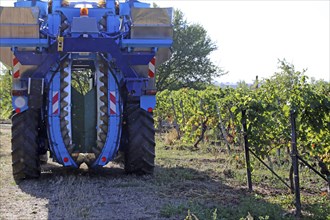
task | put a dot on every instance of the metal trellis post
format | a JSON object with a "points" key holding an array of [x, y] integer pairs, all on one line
{"points": [[294, 156], [246, 149]]}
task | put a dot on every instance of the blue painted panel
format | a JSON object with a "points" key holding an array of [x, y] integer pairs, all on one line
{"points": [[54, 22], [124, 9], [148, 101], [56, 5], [23, 107], [88, 45], [113, 24], [110, 4], [141, 5]]}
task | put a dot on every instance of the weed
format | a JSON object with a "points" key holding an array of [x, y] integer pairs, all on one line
{"points": [[250, 217], [214, 214], [170, 210], [191, 216]]}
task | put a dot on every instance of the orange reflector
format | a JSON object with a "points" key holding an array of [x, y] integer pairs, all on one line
{"points": [[150, 109], [65, 159], [104, 159], [84, 12]]}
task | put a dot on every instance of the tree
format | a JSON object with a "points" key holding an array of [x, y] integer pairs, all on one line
{"points": [[189, 65], [5, 96]]}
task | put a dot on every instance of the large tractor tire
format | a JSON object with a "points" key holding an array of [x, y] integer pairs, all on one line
{"points": [[25, 157], [140, 145]]}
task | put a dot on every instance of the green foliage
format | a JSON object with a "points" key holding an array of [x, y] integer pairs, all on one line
{"points": [[5, 96], [80, 80], [267, 108], [189, 65]]}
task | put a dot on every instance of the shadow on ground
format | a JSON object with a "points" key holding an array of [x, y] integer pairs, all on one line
{"points": [[109, 193]]}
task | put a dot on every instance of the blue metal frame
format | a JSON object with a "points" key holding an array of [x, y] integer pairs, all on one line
{"points": [[114, 122], [92, 12], [136, 85], [24, 42], [112, 41], [87, 44], [166, 43], [43, 6], [54, 129], [123, 60]]}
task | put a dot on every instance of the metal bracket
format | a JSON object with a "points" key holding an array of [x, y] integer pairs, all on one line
{"points": [[136, 86], [35, 92], [60, 44]]}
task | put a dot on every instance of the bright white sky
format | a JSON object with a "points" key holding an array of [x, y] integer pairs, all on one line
{"points": [[252, 35]]}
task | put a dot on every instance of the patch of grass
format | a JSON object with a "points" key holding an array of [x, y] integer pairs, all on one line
{"points": [[177, 175], [171, 210], [260, 208], [286, 201], [190, 209], [184, 173], [249, 208], [201, 211], [313, 206], [316, 207]]}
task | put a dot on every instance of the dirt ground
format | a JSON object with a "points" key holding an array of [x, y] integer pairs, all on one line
{"points": [[62, 193], [183, 182]]}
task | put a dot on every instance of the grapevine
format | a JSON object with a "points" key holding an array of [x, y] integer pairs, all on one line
{"points": [[267, 109]]}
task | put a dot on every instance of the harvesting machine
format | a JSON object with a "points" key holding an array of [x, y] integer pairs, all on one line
{"points": [[54, 48]]}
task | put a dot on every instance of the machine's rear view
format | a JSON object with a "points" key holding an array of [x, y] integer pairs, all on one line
{"points": [[83, 81]]}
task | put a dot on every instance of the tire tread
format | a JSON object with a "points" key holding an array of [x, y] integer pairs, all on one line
{"points": [[25, 158], [140, 149]]}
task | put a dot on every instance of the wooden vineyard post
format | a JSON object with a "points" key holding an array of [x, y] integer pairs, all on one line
{"points": [[294, 156], [223, 130], [247, 153], [182, 113], [203, 126]]}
